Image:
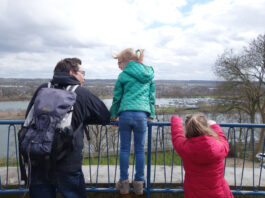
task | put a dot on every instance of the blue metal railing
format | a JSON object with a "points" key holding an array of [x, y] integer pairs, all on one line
{"points": [[158, 141]]}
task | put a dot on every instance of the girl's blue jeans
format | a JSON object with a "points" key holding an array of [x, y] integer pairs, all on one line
{"points": [[135, 121]]}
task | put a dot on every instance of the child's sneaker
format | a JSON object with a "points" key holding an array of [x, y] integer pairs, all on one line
{"points": [[138, 187], [123, 186]]}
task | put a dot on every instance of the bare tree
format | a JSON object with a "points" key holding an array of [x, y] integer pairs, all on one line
{"points": [[244, 85]]}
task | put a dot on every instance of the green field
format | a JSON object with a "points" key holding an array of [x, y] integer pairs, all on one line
{"points": [[155, 157], [158, 157]]}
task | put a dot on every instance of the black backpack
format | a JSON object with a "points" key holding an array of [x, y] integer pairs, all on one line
{"points": [[47, 133]]}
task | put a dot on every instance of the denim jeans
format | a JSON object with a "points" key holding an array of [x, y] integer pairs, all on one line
{"points": [[69, 184], [135, 121]]}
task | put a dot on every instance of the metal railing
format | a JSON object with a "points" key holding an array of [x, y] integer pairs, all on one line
{"points": [[164, 170]]}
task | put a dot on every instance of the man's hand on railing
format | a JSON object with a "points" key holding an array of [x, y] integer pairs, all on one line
{"points": [[114, 120]]}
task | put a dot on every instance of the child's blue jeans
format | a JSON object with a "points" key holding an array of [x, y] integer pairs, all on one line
{"points": [[135, 121]]}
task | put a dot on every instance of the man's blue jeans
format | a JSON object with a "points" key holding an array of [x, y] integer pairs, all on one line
{"points": [[69, 184], [135, 121]]}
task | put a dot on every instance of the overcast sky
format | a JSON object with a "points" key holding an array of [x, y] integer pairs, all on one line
{"points": [[181, 38]]}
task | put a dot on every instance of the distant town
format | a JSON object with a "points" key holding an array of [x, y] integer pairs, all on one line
{"points": [[12, 89]]}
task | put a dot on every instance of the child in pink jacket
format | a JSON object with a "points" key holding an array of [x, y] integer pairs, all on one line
{"points": [[203, 149]]}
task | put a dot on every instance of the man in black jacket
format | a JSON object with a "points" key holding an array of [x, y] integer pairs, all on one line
{"points": [[68, 177]]}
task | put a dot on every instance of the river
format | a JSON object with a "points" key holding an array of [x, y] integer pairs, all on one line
{"points": [[14, 106]]}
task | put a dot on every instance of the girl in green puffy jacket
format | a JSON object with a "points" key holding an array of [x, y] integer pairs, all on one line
{"points": [[134, 104]]}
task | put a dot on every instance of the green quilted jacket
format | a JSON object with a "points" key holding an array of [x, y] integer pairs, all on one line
{"points": [[134, 90]]}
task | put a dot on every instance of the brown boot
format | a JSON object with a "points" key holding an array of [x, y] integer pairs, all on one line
{"points": [[123, 186], [138, 187]]}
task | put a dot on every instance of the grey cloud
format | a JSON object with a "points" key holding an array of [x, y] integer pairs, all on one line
{"points": [[21, 33], [38, 38]]}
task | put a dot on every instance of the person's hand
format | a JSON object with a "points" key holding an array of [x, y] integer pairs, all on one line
{"points": [[149, 119], [211, 122], [114, 120]]}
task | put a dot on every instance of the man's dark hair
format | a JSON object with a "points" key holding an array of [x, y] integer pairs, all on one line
{"points": [[68, 64]]}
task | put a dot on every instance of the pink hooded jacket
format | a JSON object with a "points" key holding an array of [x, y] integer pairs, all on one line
{"points": [[203, 161]]}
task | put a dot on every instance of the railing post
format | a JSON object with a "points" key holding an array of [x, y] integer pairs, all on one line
{"points": [[149, 152]]}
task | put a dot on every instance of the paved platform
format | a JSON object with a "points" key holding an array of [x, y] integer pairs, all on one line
{"points": [[106, 175]]}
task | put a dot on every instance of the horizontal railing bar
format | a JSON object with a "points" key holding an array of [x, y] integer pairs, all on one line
{"points": [[235, 192], [243, 192], [162, 190], [247, 125], [11, 121], [14, 191]]}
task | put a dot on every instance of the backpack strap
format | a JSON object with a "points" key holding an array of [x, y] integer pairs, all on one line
{"points": [[49, 84], [29, 118], [72, 87]]}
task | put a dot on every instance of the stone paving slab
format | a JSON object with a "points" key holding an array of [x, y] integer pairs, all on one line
{"points": [[106, 174]]}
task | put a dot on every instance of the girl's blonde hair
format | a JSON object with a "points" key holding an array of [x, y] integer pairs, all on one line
{"points": [[197, 125], [130, 54]]}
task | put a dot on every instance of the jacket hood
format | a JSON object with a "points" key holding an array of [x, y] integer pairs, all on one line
{"points": [[139, 71], [64, 79]]}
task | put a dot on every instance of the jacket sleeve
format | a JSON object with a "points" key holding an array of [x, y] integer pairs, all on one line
{"points": [[223, 146], [99, 113], [117, 95], [177, 134], [152, 97]]}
